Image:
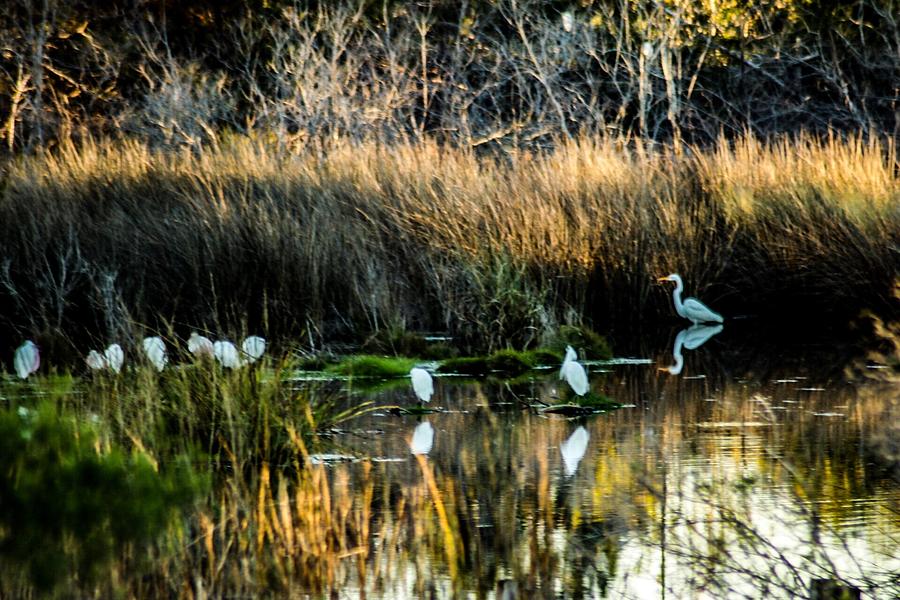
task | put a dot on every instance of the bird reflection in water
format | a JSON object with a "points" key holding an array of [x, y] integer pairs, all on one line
{"points": [[691, 338]]}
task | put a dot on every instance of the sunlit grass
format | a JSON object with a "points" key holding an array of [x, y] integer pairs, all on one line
{"points": [[362, 238]]}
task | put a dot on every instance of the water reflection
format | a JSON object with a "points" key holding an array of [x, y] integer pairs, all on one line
{"points": [[573, 449], [741, 490], [691, 338], [422, 438]]}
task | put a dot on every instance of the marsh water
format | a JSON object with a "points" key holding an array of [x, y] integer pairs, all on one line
{"points": [[702, 485], [724, 473]]}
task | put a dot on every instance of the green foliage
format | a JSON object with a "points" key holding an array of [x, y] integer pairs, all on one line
{"points": [[504, 362], [589, 344], [68, 507], [367, 365]]}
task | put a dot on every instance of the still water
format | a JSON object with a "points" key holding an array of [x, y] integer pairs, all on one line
{"points": [[704, 485]]}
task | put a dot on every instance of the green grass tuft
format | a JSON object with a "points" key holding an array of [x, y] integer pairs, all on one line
{"points": [[368, 365]]}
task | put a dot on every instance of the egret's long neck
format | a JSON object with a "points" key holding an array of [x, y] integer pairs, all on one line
{"points": [[676, 297]]}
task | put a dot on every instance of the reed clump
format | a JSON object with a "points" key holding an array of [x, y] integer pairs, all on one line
{"points": [[352, 238]]}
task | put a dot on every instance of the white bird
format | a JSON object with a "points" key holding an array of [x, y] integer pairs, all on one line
{"points": [[570, 356], [422, 439], [254, 347], [422, 383], [691, 309], [227, 354], [95, 360], [27, 359], [574, 373], [573, 449], [568, 21], [691, 338], [199, 345], [114, 357], [155, 349]]}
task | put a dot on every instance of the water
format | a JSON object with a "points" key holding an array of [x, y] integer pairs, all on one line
{"points": [[728, 478], [702, 487]]}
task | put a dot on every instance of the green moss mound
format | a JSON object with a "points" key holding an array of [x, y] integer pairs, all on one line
{"points": [[589, 344], [504, 362], [368, 365]]}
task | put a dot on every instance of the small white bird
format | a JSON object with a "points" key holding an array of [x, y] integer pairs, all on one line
{"points": [[691, 309], [155, 349], [568, 21], [199, 345], [254, 347], [114, 357], [422, 383], [95, 360], [27, 359], [573, 449], [574, 373], [227, 354], [422, 439]]}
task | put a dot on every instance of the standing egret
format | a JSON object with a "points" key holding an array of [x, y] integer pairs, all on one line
{"points": [[691, 309], [227, 354], [27, 359], [114, 357], [95, 360], [254, 347], [155, 349], [570, 356], [573, 449], [422, 383], [574, 373], [691, 338], [422, 439], [199, 345]]}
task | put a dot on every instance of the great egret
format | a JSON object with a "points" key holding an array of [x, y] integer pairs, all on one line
{"points": [[573, 449], [691, 338], [199, 345], [227, 354], [422, 383], [254, 347], [422, 439], [95, 360], [114, 357], [27, 359], [570, 356], [574, 373], [155, 349], [691, 309]]}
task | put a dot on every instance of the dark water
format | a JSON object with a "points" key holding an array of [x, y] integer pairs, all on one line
{"points": [[706, 485]]}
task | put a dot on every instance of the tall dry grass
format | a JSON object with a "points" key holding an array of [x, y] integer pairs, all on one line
{"points": [[344, 239]]}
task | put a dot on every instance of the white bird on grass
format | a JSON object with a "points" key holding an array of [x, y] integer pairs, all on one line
{"points": [[422, 383], [574, 373], [155, 349], [422, 439], [27, 359], [573, 449], [113, 358], [254, 347], [199, 345], [691, 308], [227, 354]]}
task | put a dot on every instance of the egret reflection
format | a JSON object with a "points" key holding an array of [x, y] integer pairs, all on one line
{"points": [[691, 338], [573, 449], [422, 438]]}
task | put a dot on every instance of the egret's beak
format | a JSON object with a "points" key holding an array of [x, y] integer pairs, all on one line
{"points": [[661, 279]]}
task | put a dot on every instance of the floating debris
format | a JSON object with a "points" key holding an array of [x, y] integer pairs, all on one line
{"points": [[732, 424], [694, 377], [829, 414], [811, 389], [323, 459], [792, 380], [621, 361]]}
